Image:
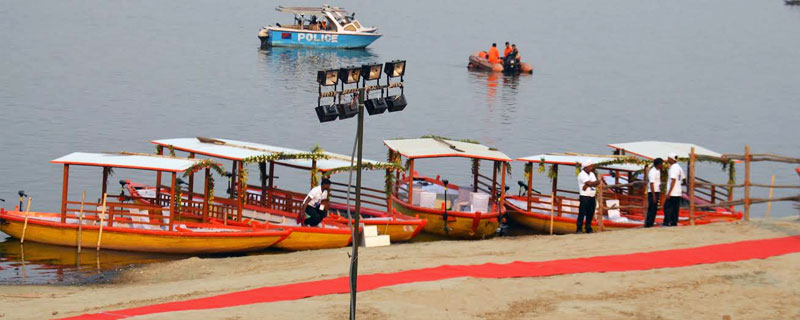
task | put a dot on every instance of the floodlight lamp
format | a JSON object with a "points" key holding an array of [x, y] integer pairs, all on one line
{"points": [[350, 74], [396, 68], [371, 71], [328, 77]]}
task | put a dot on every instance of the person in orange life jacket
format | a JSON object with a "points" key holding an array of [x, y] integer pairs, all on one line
{"points": [[587, 181], [313, 207], [494, 55], [507, 50], [654, 193]]}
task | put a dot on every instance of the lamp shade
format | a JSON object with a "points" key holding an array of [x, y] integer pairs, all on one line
{"points": [[350, 74], [371, 71], [396, 68], [328, 77]]}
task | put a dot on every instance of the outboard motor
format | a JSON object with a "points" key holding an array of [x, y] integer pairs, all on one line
{"points": [[510, 65], [263, 35]]}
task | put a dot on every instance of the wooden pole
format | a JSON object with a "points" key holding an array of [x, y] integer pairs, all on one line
{"points": [[172, 200], [271, 179], [769, 204], [502, 190], [104, 186], [747, 183], [313, 169], [80, 220], [242, 191], [601, 206], [493, 193], [262, 168], [530, 188], [475, 172], [646, 179], [234, 183], [411, 182], [64, 191], [102, 217], [692, 161], [25, 225], [552, 207], [730, 188], [206, 191], [554, 198], [158, 182], [191, 180]]}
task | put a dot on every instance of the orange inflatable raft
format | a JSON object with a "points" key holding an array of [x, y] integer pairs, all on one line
{"points": [[479, 61]]}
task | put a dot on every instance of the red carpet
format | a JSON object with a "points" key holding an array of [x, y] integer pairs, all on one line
{"points": [[737, 251]]}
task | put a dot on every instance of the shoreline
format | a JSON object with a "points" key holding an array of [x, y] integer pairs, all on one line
{"points": [[502, 298]]}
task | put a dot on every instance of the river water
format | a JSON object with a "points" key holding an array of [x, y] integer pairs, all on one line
{"points": [[107, 76]]}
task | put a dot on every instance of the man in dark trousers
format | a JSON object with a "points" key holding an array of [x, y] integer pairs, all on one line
{"points": [[313, 204], [654, 183], [674, 191], [587, 181]]}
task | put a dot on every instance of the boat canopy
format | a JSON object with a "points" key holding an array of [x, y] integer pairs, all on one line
{"points": [[128, 161], [661, 149], [579, 158], [309, 11], [239, 150], [440, 148]]}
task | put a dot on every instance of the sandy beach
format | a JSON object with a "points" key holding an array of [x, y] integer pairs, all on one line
{"points": [[752, 289]]}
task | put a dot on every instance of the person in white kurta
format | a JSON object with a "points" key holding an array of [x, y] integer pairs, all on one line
{"points": [[672, 205], [587, 182], [654, 192]]}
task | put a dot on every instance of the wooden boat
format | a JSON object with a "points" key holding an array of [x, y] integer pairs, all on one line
{"points": [[329, 234], [462, 212], [133, 227], [268, 203], [340, 31], [559, 209]]}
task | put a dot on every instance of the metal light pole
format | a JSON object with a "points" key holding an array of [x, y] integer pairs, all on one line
{"points": [[350, 75], [357, 218]]}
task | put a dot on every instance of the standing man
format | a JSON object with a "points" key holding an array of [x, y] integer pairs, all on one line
{"points": [[654, 182], [674, 192], [494, 55], [313, 209], [587, 181]]}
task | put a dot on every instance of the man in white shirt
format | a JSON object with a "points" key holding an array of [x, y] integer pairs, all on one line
{"points": [[673, 203], [313, 208], [654, 192], [587, 181]]}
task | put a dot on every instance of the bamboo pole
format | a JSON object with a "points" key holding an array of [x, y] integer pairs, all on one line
{"points": [[747, 183], [601, 206], [206, 191], [769, 204], [692, 162], [80, 220], [25, 225], [530, 188], [102, 217]]}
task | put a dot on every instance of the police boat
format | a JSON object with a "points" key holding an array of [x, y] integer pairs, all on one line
{"points": [[318, 27]]}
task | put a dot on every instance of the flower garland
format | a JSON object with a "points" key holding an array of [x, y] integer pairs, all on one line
{"points": [[285, 156], [202, 164]]}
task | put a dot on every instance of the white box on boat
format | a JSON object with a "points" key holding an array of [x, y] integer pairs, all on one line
{"points": [[370, 231], [480, 202], [427, 199], [415, 194]]}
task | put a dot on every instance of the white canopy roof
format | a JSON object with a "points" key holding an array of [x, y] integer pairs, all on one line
{"points": [[439, 148], [573, 159], [115, 160], [661, 149], [238, 150], [308, 11]]}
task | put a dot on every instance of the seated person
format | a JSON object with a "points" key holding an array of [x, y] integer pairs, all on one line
{"points": [[313, 208]]}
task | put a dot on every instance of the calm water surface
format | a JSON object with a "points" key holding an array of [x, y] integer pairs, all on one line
{"points": [[107, 76]]}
